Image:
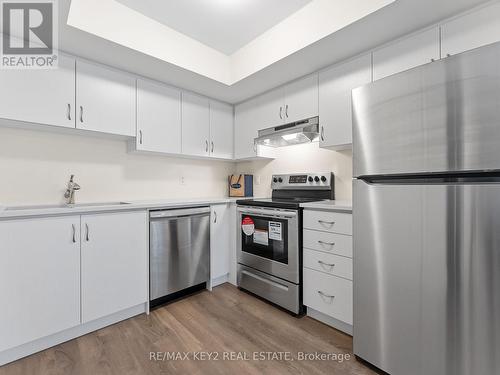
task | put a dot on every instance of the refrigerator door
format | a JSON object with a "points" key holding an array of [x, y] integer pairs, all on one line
{"points": [[427, 277], [441, 117]]}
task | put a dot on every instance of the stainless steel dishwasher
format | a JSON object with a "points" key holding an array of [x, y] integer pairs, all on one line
{"points": [[179, 251]]}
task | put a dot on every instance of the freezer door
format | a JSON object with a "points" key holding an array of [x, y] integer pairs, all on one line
{"points": [[427, 277], [440, 117]]}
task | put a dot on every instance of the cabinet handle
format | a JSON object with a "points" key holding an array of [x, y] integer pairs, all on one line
{"points": [[206, 146], [74, 233], [322, 133], [87, 237], [325, 295], [432, 60], [81, 113], [140, 137], [448, 55], [326, 222], [255, 147], [281, 113], [326, 243], [286, 111], [69, 111], [215, 217], [326, 264], [212, 147]]}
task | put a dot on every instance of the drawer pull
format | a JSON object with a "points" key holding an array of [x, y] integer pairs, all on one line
{"points": [[325, 295], [326, 264], [326, 222], [326, 243]]}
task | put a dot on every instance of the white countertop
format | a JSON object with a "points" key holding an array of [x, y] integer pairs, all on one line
{"points": [[51, 210], [332, 205]]}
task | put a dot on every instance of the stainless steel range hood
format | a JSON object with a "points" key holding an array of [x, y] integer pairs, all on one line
{"points": [[303, 131]]}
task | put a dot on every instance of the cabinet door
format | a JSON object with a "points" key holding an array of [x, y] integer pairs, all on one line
{"points": [[471, 31], [301, 99], [220, 241], [43, 96], [221, 130], [105, 99], [158, 118], [271, 109], [195, 125], [245, 129], [335, 100], [39, 278], [114, 263], [407, 53]]}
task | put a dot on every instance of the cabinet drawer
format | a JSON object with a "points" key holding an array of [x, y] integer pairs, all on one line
{"points": [[328, 294], [328, 263], [334, 243], [335, 222]]}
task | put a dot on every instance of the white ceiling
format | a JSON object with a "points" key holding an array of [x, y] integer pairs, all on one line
{"points": [[389, 23], [225, 25]]}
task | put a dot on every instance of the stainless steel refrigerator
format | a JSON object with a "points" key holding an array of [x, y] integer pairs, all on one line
{"points": [[426, 154]]}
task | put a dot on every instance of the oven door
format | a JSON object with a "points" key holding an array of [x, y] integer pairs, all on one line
{"points": [[268, 240]]}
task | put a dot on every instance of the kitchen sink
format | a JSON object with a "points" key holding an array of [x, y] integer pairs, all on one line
{"points": [[51, 206]]}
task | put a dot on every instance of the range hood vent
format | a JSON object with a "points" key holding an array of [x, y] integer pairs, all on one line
{"points": [[295, 133]]}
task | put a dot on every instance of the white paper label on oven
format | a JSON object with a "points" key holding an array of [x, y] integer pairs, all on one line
{"points": [[261, 237], [275, 230]]}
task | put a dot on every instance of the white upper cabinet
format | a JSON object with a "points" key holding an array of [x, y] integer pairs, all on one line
{"points": [[43, 96], [195, 125], [246, 126], [407, 53], [158, 118], [473, 30], [301, 99], [335, 101], [221, 130], [39, 278], [114, 263], [271, 108], [105, 99]]}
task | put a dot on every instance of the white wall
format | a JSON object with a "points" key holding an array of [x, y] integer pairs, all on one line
{"points": [[302, 158], [35, 167]]}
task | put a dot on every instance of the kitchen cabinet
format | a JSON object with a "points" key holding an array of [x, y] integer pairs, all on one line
{"points": [[114, 263], [220, 243], [221, 130], [105, 99], [39, 278], [295, 101], [407, 53], [159, 125], [470, 31], [43, 96], [246, 127], [195, 125], [335, 100]]}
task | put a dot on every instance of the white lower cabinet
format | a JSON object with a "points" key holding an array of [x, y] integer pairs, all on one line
{"points": [[39, 278], [220, 243], [328, 269], [114, 263]]}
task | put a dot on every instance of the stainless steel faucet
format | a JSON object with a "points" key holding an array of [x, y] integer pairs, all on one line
{"points": [[70, 191]]}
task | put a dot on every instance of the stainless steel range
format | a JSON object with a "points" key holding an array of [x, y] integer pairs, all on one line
{"points": [[270, 238]]}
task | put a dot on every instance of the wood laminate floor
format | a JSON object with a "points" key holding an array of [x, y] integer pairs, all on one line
{"points": [[226, 320]]}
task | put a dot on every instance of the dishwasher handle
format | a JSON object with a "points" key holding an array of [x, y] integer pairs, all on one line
{"points": [[179, 212]]}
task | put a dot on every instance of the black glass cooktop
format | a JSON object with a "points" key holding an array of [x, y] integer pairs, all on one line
{"points": [[286, 203]]}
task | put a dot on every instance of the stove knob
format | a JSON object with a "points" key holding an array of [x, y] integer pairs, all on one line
{"points": [[310, 179], [275, 180], [280, 180], [323, 179], [316, 179]]}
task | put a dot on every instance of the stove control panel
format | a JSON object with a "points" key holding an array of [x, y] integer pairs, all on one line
{"points": [[302, 181]]}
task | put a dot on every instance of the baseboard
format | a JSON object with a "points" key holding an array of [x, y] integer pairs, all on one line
{"points": [[328, 320], [32, 347], [220, 280]]}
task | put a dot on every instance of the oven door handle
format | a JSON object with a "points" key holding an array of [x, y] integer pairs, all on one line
{"points": [[267, 213]]}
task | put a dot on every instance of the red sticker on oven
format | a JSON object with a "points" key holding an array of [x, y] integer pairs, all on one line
{"points": [[248, 226]]}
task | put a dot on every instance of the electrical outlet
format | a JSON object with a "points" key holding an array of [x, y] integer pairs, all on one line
{"points": [[183, 180]]}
